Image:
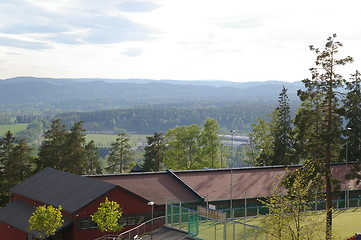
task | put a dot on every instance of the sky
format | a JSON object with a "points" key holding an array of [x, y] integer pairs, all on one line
{"points": [[233, 40]]}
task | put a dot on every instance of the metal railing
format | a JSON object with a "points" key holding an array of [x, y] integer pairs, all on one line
{"points": [[139, 230]]}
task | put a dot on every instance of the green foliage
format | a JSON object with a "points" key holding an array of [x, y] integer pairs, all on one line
{"points": [[183, 148], [107, 216], [210, 143], [46, 220], [271, 141], [290, 213], [51, 152], [92, 159], [193, 147], [161, 118], [153, 156], [321, 90], [67, 150], [120, 154], [352, 108], [15, 163]]}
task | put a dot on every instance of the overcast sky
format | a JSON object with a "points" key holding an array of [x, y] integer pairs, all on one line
{"points": [[235, 40]]}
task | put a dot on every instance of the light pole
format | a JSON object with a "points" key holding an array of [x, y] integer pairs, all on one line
{"points": [[347, 194], [231, 187], [152, 204]]}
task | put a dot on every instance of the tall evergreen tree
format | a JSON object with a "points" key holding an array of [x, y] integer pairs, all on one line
{"points": [[352, 133], [51, 152], [282, 131], [74, 160], [64, 150], [271, 141], [92, 159], [323, 85], [153, 156], [120, 154], [15, 163]]}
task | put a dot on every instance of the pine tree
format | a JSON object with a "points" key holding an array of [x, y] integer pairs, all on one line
{"points": [[120, 154], [322, 86]]}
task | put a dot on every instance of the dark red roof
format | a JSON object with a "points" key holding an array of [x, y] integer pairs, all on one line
{"points": [[210, 184], [160, 187]]}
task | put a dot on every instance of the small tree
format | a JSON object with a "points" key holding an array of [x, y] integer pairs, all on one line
{"points": [[46, 220], [107, 216], [291, 215]]}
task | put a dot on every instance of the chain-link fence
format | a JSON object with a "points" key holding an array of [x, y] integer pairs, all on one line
{"points": [[205, 227]]}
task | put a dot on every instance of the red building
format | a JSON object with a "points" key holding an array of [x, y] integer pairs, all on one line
{"points": [[80, 196]]}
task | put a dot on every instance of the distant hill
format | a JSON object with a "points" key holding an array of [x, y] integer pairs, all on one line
{"points": [[128, 92]]}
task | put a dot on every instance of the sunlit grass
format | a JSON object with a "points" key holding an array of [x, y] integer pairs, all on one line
{"points": [[14, 128]]}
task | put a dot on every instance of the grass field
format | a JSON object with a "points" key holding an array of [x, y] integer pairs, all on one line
{"points": [[104, 140], [345, 224], [14, 128]]}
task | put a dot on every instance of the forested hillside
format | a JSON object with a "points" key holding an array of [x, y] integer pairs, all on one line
{"points": [[42, 94], [147, 120]]}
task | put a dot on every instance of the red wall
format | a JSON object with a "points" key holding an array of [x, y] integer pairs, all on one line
{"points": [[10, 233], [129, 202]]}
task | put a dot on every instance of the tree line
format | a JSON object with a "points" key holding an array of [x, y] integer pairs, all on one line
{"points": [[184, 147]]}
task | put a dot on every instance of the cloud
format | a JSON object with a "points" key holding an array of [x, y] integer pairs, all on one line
{"points": [[137, 6], [133, 52], [106, 29], [247, 23], [72, 25], [69, 39], [10, 42], [33, 28]]}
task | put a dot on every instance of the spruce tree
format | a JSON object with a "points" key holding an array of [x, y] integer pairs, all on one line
{"points": [[74, 160], [51, 152], [15, 163], [352, 132], [282, 131]]}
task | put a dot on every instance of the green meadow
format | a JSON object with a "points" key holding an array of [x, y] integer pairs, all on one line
{"points": [[14, 128]]}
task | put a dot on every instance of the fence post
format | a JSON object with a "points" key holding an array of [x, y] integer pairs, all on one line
{"points": [[171, 215], [215, 231], [225, 230], [180, 215], [166, 213]]}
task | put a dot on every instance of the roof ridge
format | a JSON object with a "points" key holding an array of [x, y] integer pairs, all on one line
{"points": [[184, 183]]}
